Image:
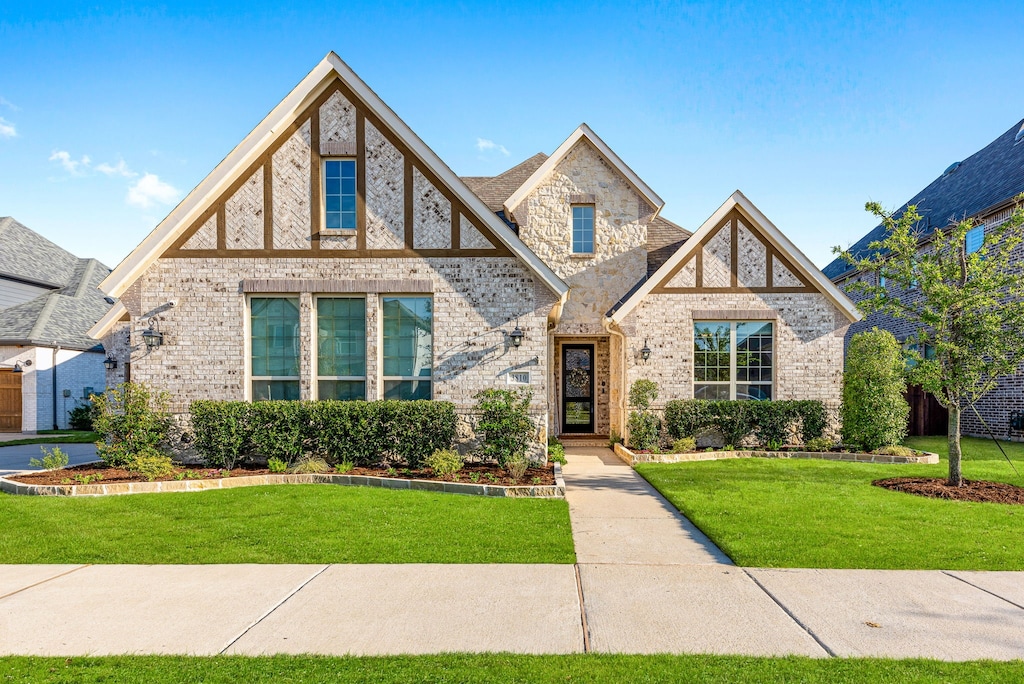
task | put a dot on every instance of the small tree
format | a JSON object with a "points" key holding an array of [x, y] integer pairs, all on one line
{"points": [[644, 427], [505, 422], [874, 408], [133, 420], [968, 308]]}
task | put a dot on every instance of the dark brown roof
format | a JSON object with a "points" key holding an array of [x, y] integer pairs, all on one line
{"points": [[494, 190], [663, 239]]}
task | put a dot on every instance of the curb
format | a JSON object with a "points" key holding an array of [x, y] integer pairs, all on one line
{"points": [[631, 458]]}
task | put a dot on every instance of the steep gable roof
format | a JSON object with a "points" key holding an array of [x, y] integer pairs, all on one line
{"points": [[494, 190], [583, 133], [984, 180], [664, 238], [28, 256], [779, 241], [261, 137]]}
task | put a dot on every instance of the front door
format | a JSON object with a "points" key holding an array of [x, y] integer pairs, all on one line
{"points": [[578, 388]]}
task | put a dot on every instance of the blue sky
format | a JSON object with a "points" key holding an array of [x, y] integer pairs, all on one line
{"points": [[110, 113]]}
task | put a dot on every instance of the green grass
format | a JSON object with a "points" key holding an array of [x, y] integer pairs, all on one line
{"points": [[56, 437], [825, 514], [501, 668], [285, 524]]}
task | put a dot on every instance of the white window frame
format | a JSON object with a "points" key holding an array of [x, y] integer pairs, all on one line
{"points": [[381, 378], [247, 318], [315, 342], [323, 196], [572, 229], [732, 358]]}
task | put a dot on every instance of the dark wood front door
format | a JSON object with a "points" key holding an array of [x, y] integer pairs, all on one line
{"points": [[10, 401], [578, 388]]}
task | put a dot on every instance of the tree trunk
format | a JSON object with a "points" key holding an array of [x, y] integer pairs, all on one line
{"points": [[956, 477]]}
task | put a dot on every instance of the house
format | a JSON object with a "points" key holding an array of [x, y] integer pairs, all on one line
{"points": [[982, 187], [48, 302], [332, 254]]}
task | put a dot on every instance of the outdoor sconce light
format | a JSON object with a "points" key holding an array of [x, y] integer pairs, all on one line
{"points": [[152, 337], [645, 353], [516, 336], [19, 366], [110, 363]]}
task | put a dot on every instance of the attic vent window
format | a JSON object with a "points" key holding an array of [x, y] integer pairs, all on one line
{"points": [[951, 168], [1020, 135]]}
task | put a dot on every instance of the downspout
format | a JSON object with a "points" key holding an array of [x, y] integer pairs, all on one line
{"points": [[623, 392], [53, 375]]}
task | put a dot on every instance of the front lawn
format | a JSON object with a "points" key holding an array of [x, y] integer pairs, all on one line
{"points": [[285, 524], [778, 513], [502, 667]]}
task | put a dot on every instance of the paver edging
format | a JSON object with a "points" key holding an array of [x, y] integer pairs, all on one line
{"points": [[631, 458], [555, 491]]}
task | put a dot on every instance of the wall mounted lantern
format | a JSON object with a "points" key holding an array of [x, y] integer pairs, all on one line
{"points": [[110, 363], [645, 353], [516, 336], [152, 337]]}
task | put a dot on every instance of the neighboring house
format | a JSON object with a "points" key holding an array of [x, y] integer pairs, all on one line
{"points": [[48, 302], [982, 187], [332, 254]]}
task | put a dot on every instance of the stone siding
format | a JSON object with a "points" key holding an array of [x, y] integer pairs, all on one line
{"points": [[205, 237], [470, 237], [751, 267], [243, 214], [337, 120], [291, 191], [718, 258], [432, 215], [385, 192]]}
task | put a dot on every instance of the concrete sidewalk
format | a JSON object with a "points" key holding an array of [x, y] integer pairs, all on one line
{"points": [[647, 582]]}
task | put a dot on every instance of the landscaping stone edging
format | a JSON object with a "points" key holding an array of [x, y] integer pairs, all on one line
{"points": [[631, 458], [555, 491]]}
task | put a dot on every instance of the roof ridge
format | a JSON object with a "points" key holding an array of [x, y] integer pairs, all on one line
{"points": [[90, 267], [44, 316]]}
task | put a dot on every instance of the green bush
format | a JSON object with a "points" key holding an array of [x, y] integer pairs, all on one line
{"points": [[819, 444], [644, 428], [769, 422], [151, 465], [505, 424], [363, 433], [895, 450], [53, 459], [556, 453], [516, 467], [82, 416], [874, 408], [642, 394], [684, 445], [133, 420], [444, 462], [276, 465]]}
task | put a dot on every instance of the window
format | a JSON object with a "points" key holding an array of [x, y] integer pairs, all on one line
{"points": [[274, 347], [340, 194], [732, 360], [583, 229], [881, 280], [974, 239], [341, 348], [408, 347]]}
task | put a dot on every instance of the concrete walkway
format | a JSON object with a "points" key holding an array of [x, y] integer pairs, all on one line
{"points": [[647, 581]]}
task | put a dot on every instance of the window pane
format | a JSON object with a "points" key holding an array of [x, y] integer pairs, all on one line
{"points": [[340, 194], [407, 390], [267, 390], [583, 229], [711, 392], [275, 336], [754, 392], [343, 390], [341, 336], [974, 239], [753, 358], [408, 340]]}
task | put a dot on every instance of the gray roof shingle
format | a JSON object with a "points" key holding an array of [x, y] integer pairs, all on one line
{"points": [[987, 178]]}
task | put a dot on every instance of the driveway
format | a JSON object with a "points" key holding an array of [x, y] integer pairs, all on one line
{"points": [[15, 459]]}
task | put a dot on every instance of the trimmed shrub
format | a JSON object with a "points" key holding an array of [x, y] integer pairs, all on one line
{"points": [[556, 453], [221, 431], [151, 465], [768, 422], [819, 444], [82, 416], [684, 445], [874, 408], [644, 428], [280, 429], [505, 422], [895, 450], [444, 462], [133, 420], [276, 465]]}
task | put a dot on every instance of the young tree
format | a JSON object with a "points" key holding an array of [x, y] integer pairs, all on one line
{"points": [[966, 306]]}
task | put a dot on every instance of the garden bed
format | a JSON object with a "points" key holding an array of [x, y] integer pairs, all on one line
{"points": [[545, 481], [979, 491], [633, 457]]}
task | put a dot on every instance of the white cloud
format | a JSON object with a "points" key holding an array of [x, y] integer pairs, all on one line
{"points": [[75, 168], [7, 129], [485, 145], [4, 102], [150, 190], [120, 169]]}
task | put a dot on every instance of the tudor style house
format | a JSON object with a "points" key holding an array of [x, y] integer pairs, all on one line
{"points": [[983, 187], [333, 255]]}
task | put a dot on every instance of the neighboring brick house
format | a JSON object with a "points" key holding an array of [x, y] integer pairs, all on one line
{"points": [[332, 254], [48, 303], [982, 187]]}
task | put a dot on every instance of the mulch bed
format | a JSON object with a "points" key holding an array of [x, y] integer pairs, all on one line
{"points": [[470, 473], [972, 490]]}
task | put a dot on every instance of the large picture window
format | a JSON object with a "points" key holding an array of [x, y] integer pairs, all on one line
{"points": [[274, 347], [340, 194], [408, 347], [733, 360], [341, 347]]}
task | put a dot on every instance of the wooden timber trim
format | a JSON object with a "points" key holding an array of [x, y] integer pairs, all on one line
{"points": [[265, 160], [332, 253], [331, 286], [734, 314], [732, 220]]}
